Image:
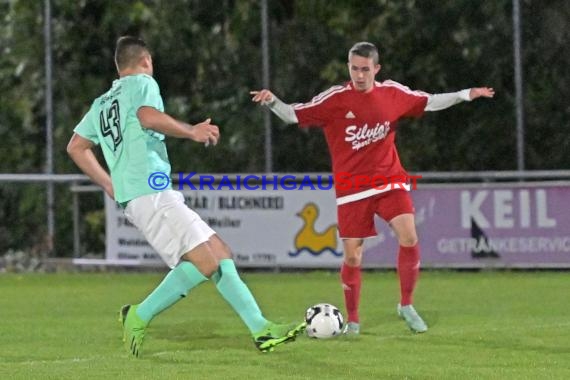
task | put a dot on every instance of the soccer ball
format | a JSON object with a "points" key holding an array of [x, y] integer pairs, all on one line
{"points": [[323, 321]]}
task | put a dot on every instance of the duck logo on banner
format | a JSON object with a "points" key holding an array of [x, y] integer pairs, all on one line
{"points": [[310, 240]]}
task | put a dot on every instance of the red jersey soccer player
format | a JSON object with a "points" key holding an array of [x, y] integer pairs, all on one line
{"points": [[359, 121]]}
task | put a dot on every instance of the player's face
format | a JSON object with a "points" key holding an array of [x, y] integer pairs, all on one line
{"points": [[362, 72]]}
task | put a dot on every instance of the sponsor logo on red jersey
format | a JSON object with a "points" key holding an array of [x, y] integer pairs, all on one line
{"points": [[363, 136]]}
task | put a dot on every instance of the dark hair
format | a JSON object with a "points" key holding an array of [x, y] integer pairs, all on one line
{"points": [[366, 50], [128, 51]]}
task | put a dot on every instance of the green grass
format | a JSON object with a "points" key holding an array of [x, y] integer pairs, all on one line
{"points": [[496, 325]]}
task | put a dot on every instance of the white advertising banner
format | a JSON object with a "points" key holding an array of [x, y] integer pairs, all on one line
{"points": [[281, 228], [465, 225]]}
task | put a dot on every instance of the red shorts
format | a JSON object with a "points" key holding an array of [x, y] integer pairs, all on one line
{"points": [[356, 219]]}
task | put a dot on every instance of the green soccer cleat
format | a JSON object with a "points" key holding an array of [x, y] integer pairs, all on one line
{"points": [[412, 318], [134, 329], [273, 335], [351, 328]]}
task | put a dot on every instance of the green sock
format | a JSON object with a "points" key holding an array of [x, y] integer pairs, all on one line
{"points": [[175, 286], [238, 295]]}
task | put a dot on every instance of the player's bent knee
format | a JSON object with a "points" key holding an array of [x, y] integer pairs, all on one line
{"points": [[353, 261], [408, 241], [209, 266], [203, 259]]}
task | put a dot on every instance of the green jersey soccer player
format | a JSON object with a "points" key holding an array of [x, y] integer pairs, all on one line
{"points": [[129, 124]]}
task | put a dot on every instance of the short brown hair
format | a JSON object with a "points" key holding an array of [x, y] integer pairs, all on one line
{"points": [[366, 50], [129, 51]]}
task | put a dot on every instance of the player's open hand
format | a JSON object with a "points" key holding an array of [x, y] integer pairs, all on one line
{"points": [[262, 96], [206, 133], [477, 92]]}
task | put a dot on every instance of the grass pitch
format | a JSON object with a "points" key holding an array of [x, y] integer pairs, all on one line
{"points": [[497, 325]]}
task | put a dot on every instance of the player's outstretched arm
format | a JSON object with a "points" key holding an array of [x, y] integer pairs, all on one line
{"points": [[79, 149], [158, 121], [284, 111], [438, 102]]}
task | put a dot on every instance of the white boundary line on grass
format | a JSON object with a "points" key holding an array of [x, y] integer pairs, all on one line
{"points": [[55, 361]]}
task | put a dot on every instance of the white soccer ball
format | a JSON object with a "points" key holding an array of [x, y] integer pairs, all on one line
{"points": [[323, 321]]}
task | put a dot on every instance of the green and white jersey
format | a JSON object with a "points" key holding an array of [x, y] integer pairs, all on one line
{"points": [[132, 152]]}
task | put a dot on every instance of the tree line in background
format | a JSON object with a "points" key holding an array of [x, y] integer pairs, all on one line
{"points": [[207, 58]]}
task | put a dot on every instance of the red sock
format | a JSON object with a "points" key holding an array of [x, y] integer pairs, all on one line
{"points": [[409, 271], [351, 281]]}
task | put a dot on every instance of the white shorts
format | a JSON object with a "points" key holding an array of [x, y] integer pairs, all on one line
{"points": [[168, 224]]}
